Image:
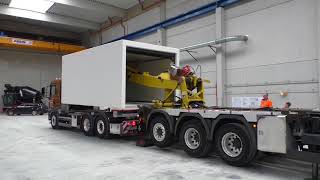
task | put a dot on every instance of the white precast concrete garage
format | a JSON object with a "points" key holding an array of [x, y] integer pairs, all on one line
{"points": [[31, 150], [83, 71]]}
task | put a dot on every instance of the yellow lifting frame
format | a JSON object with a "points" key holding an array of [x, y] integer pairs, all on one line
{"points": [[164, 81]]}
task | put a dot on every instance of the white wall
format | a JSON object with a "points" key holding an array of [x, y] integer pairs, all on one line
{"points": [[281, 54], [28, 68]]}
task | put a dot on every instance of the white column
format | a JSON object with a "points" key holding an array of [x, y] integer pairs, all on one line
{"points": [[220, 57], [317, 6], [161, 33]]}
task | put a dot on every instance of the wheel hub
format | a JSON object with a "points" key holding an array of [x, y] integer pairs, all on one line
{"points": [[231, 144], [86, 125], [159, 132], [53, 120], [100, 127], [192, 138]]}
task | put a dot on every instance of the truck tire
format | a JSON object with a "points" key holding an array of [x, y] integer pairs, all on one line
{"points": [[234, 144], [34, 113], [160, 132], [102, 129], [87, 125], [54, 121], [10, 112], [193, 138]]}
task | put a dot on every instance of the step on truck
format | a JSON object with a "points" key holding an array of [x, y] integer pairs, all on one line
{"points": [[131, 88]]}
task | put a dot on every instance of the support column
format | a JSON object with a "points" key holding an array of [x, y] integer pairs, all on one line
{"points": [[161, 37], [317, 6], [161, 33], [220, 58]]}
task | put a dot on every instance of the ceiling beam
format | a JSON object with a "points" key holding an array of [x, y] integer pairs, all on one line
{"points": [[15, 26], [52, 18], [94, 6]]}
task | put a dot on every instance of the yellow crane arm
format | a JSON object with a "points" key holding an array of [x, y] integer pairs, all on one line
{"points": [[161, 81]]}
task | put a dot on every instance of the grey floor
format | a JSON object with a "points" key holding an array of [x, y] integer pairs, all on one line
{"points": [[31, 150]]}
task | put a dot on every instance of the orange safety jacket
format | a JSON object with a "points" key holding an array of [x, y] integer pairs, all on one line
{"points": [[266, 103]]}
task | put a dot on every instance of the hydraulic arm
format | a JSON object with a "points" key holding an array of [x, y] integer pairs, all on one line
{"points": [[190, 86]]}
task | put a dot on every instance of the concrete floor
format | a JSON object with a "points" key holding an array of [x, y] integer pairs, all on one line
{"points": [[31, 150]]}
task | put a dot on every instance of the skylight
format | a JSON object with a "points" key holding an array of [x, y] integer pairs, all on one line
{"points": [[32, 5]]}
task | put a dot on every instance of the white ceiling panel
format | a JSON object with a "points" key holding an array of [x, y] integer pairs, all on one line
{"points": [[75, 12], [76, 15], [125, 4]]}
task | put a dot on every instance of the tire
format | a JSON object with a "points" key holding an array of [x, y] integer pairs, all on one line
{"points": [[54, 121], [102, 127], [242, 152], [160, 132], [87, 125], [10, 112], [193, 138], [34, 113]]}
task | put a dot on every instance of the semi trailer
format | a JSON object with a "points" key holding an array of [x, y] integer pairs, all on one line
{"points": [[131, 88]]}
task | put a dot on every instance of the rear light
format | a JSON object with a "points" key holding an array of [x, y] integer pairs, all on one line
{"points": [[131, 123]]}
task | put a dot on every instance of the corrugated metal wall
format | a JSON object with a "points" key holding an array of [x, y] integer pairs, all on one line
{"points": [[281, 54]]}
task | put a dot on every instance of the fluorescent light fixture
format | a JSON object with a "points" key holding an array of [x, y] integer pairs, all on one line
{"points": [[32, 5]]}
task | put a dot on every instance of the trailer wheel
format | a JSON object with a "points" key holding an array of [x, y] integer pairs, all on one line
{"points": [[10, 112], [102, 127], [54, 121], [160, 132], [87, 125], [34, 113], [234, 144], [193, 137]]}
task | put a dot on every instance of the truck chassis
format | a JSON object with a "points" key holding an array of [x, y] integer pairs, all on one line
{"points": [[237, 134]]}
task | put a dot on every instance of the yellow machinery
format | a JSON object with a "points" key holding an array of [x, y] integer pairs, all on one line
{"points": [[190, 86]]}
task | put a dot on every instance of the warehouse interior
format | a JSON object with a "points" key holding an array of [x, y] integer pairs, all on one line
{"points": [[274, 50]]}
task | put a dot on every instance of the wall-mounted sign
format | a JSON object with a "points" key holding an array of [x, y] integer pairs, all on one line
{"points": [[22, 42], [246, 102]]}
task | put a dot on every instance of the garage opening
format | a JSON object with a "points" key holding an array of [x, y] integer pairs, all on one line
{"points": [[154, 62]]}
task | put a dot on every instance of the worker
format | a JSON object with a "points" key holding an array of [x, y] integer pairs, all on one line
{"points": [[287, 105], [266, 102]]}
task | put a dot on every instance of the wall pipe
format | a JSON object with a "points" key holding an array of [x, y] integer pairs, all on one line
{"points": [[215, 42], [209, 8]]}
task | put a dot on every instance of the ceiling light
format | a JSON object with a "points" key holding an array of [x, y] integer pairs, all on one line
{"points": [[32, 5]]}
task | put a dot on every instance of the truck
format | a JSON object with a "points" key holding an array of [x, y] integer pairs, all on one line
{"points": [[131, 88]]}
